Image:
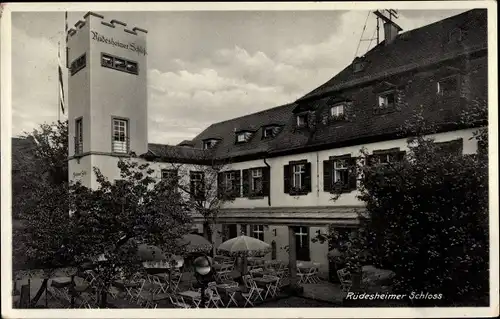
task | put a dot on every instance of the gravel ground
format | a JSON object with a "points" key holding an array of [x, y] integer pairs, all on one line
{"points": [[295, 302]]}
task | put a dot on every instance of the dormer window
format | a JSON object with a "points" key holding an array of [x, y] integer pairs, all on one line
{"points": [[302, 120], [268, 132], [243, 137], [386, 100], [337, 111], [208, 144]]}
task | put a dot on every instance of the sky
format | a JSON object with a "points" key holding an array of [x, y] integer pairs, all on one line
{"points": [[204, 66]]}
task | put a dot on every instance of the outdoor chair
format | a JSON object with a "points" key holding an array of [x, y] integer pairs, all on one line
{"points": [[315, 278], [216, 296], [224, 272], [273, 288], [176, 277], [59, 292], [248, 296], [213, 297], [345, 279], [178, 301], [307, 276], [258, 291]]}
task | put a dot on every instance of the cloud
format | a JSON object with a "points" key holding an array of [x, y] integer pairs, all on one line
{"points": [[188, 92], [34, 81]]}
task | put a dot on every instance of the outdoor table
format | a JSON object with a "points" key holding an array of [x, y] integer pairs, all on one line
{"points": [[230, 291], [192, 295], [156, 271], [267, 282]]}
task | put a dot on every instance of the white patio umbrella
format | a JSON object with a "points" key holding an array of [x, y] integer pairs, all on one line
{"points": [[244, 246]]}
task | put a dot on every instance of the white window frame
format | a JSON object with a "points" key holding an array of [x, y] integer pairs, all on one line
{"points": [[197, 178], [257, 231], [297, 172], [229, 180], [383, 100], [340, 165], [337, 110], [242, 137], [208, 144], [120, 129], [255, 174], [301, 235], [79, 135], [301, 120], [268, 132]]}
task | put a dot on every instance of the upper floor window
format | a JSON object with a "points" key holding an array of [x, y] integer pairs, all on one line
{"points": [[447, 86], [257, 231], [385, 157], [79, 136], [297, 178], [120, 64], [78, 64], [302, 120], [256, 182], [197, 185], [386, 100], [120, 142], [229, 183], [339, 173], [169, 175]]}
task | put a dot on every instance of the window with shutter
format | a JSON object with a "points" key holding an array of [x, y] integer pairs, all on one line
{"points": [[343, 173], [257, 231], [299, 177], [385, 157]]}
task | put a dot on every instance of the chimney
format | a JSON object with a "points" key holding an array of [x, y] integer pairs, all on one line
{"points": [[391, 28], [391, 31]]}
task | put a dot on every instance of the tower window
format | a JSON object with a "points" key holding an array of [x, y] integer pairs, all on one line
{"points": [[78, 64], [120, 142], [120, 64], [78, 136]]}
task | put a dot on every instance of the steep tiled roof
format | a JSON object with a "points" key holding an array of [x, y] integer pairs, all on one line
{"points": [[426, 46]]}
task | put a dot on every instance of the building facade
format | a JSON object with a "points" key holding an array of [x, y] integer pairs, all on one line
{"points": [[281, 165]]}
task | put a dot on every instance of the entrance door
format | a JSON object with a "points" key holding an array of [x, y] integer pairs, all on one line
{"points": [[233, 231], [302, 243]]}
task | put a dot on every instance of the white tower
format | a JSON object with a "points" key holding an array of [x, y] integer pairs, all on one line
{"points": [[107, 94]]}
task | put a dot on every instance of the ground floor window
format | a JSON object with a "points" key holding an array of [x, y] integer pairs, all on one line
{"points": [[257, 231]]}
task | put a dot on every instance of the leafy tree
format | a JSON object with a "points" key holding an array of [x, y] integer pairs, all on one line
{"points": [[206, 197], [426, 217], [117, 216], [39, 161]]}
